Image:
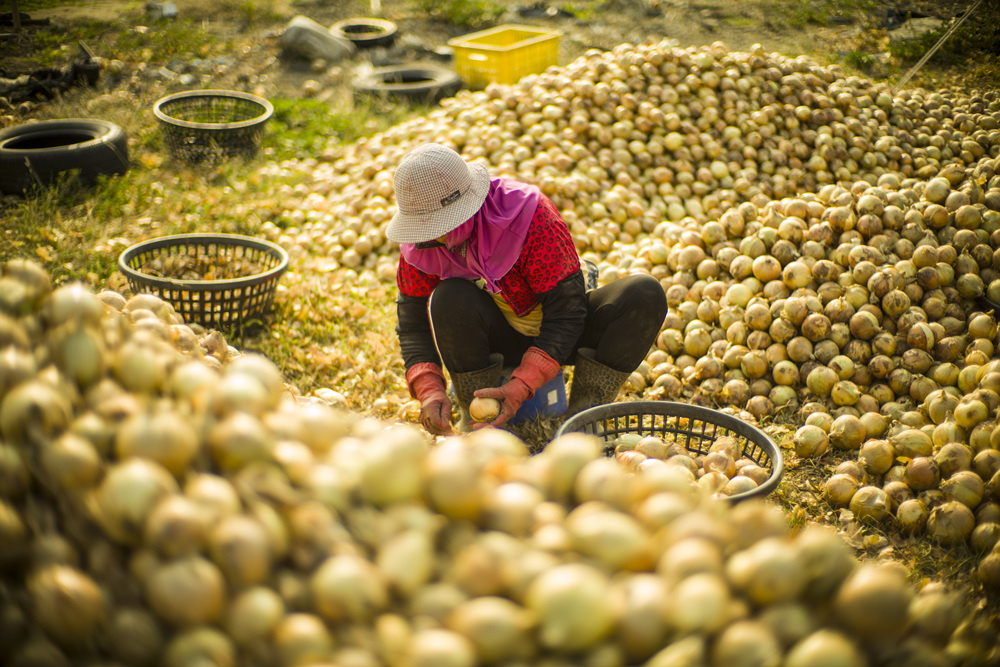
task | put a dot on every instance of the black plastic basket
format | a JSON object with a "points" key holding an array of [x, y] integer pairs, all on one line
{"points": [[212, 125], [692, 426], [228, 304]]}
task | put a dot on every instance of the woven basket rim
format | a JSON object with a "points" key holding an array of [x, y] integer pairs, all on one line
{"points": [[685, 411], [161, 114], [203, 239]]}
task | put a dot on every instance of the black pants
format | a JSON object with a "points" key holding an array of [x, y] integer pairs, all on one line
{"points": [[623, 320]]}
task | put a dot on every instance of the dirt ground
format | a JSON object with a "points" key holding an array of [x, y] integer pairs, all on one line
{"points": [[810, 29]]}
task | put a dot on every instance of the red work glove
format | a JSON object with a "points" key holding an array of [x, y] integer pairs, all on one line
{"points": [[426, 383], [536, 368]]}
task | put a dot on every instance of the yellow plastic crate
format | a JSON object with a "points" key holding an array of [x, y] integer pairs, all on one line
{"points": [[504, 54]]}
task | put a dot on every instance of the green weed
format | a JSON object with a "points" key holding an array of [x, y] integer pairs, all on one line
{"points": [[968, 44], [463, 13]]}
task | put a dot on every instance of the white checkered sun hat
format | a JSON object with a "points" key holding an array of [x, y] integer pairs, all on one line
{"points": [[436, 191]]}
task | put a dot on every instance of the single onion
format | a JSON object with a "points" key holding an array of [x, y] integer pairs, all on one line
{"points": [[873, 602], [870, 502], [187, 592], [570, 603], [876, 456], [950, 523], [66, 603], [839, 489], [912, 516]]}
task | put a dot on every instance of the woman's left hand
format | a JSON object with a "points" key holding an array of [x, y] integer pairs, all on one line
{"points": [[536, 368], [511, 395]]}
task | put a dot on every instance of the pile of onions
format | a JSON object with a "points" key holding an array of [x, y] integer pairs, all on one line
{"points": [[722, 469], [823, 240], [293, 530]]}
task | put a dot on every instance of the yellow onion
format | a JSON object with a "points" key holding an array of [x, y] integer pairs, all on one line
{"points": [[810, 441], [498, 628], [33, 412], [700, 604], [301, 639], [950, 523], [911, 443], [847, 432], [127, 494], [768, 571], [254, 614], [241, 548], [435, 647], [870, 502], [406, 561], [825, 647], [71, 462], [912, 515], [66, 603], [964, 486], [570, 602], [162, 435], [391, 466], [873, 602], [876, 456], [839, 489], [347, 587], [615, 539], [187, 592], [200, 645], [137, 634]]}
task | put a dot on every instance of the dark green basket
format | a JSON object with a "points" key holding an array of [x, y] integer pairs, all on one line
{"points": [[692, 426], [212, 125], [228, 304]]}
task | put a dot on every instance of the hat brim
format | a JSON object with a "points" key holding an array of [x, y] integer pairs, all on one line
{"points": [[405, 228]]}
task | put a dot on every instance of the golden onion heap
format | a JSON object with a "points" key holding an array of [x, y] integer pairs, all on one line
{"points": [[825, 244], [167, 500]]}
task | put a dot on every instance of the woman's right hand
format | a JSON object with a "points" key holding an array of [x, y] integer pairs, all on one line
{"points": [[435, 414], [426, 383]]}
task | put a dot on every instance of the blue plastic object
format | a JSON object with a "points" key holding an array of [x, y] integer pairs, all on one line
{"points": [[547, 401]]}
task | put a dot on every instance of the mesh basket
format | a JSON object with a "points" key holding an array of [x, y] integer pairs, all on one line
{"points": [[212, 125], [693, 426], [227, 304]]}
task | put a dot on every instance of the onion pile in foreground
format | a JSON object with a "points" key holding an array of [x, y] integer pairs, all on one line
{"points": [[166, 500], [825, 244]]}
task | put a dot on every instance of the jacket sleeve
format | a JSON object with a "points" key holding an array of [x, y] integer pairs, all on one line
{"points": [[564, 314], [551, 267], [413, 327]]}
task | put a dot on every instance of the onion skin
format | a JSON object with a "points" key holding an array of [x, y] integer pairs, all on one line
{"points": [[66, 603], [950, 523], [873, 602], [484, 409], [870, 502]]}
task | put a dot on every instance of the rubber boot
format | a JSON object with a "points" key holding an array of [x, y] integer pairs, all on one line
{"points": [[466, 384], [593, 383]]}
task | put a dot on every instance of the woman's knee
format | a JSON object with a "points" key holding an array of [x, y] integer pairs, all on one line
{"points": [[453, 296], [645, 292]]}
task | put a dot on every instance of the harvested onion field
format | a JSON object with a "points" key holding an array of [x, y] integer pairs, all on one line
{"points": [[829, 244]]}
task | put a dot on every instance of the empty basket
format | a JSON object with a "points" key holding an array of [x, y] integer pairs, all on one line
{"points": [[212, 124]]}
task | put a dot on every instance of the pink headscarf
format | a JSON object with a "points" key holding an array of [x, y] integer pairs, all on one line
{"points": [[488, 244]]}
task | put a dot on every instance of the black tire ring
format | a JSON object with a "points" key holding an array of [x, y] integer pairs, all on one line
{"points": [[366, 33], [34, 154], [416, 83]]}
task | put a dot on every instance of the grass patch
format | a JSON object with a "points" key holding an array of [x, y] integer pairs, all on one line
{"points": [[971, 42], [471, 14], [32, 5], [739, 21], [158, 43]]}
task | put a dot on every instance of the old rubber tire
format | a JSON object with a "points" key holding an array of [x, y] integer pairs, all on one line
{"points": [[366, 33], [34, 154], [425, 84]]}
